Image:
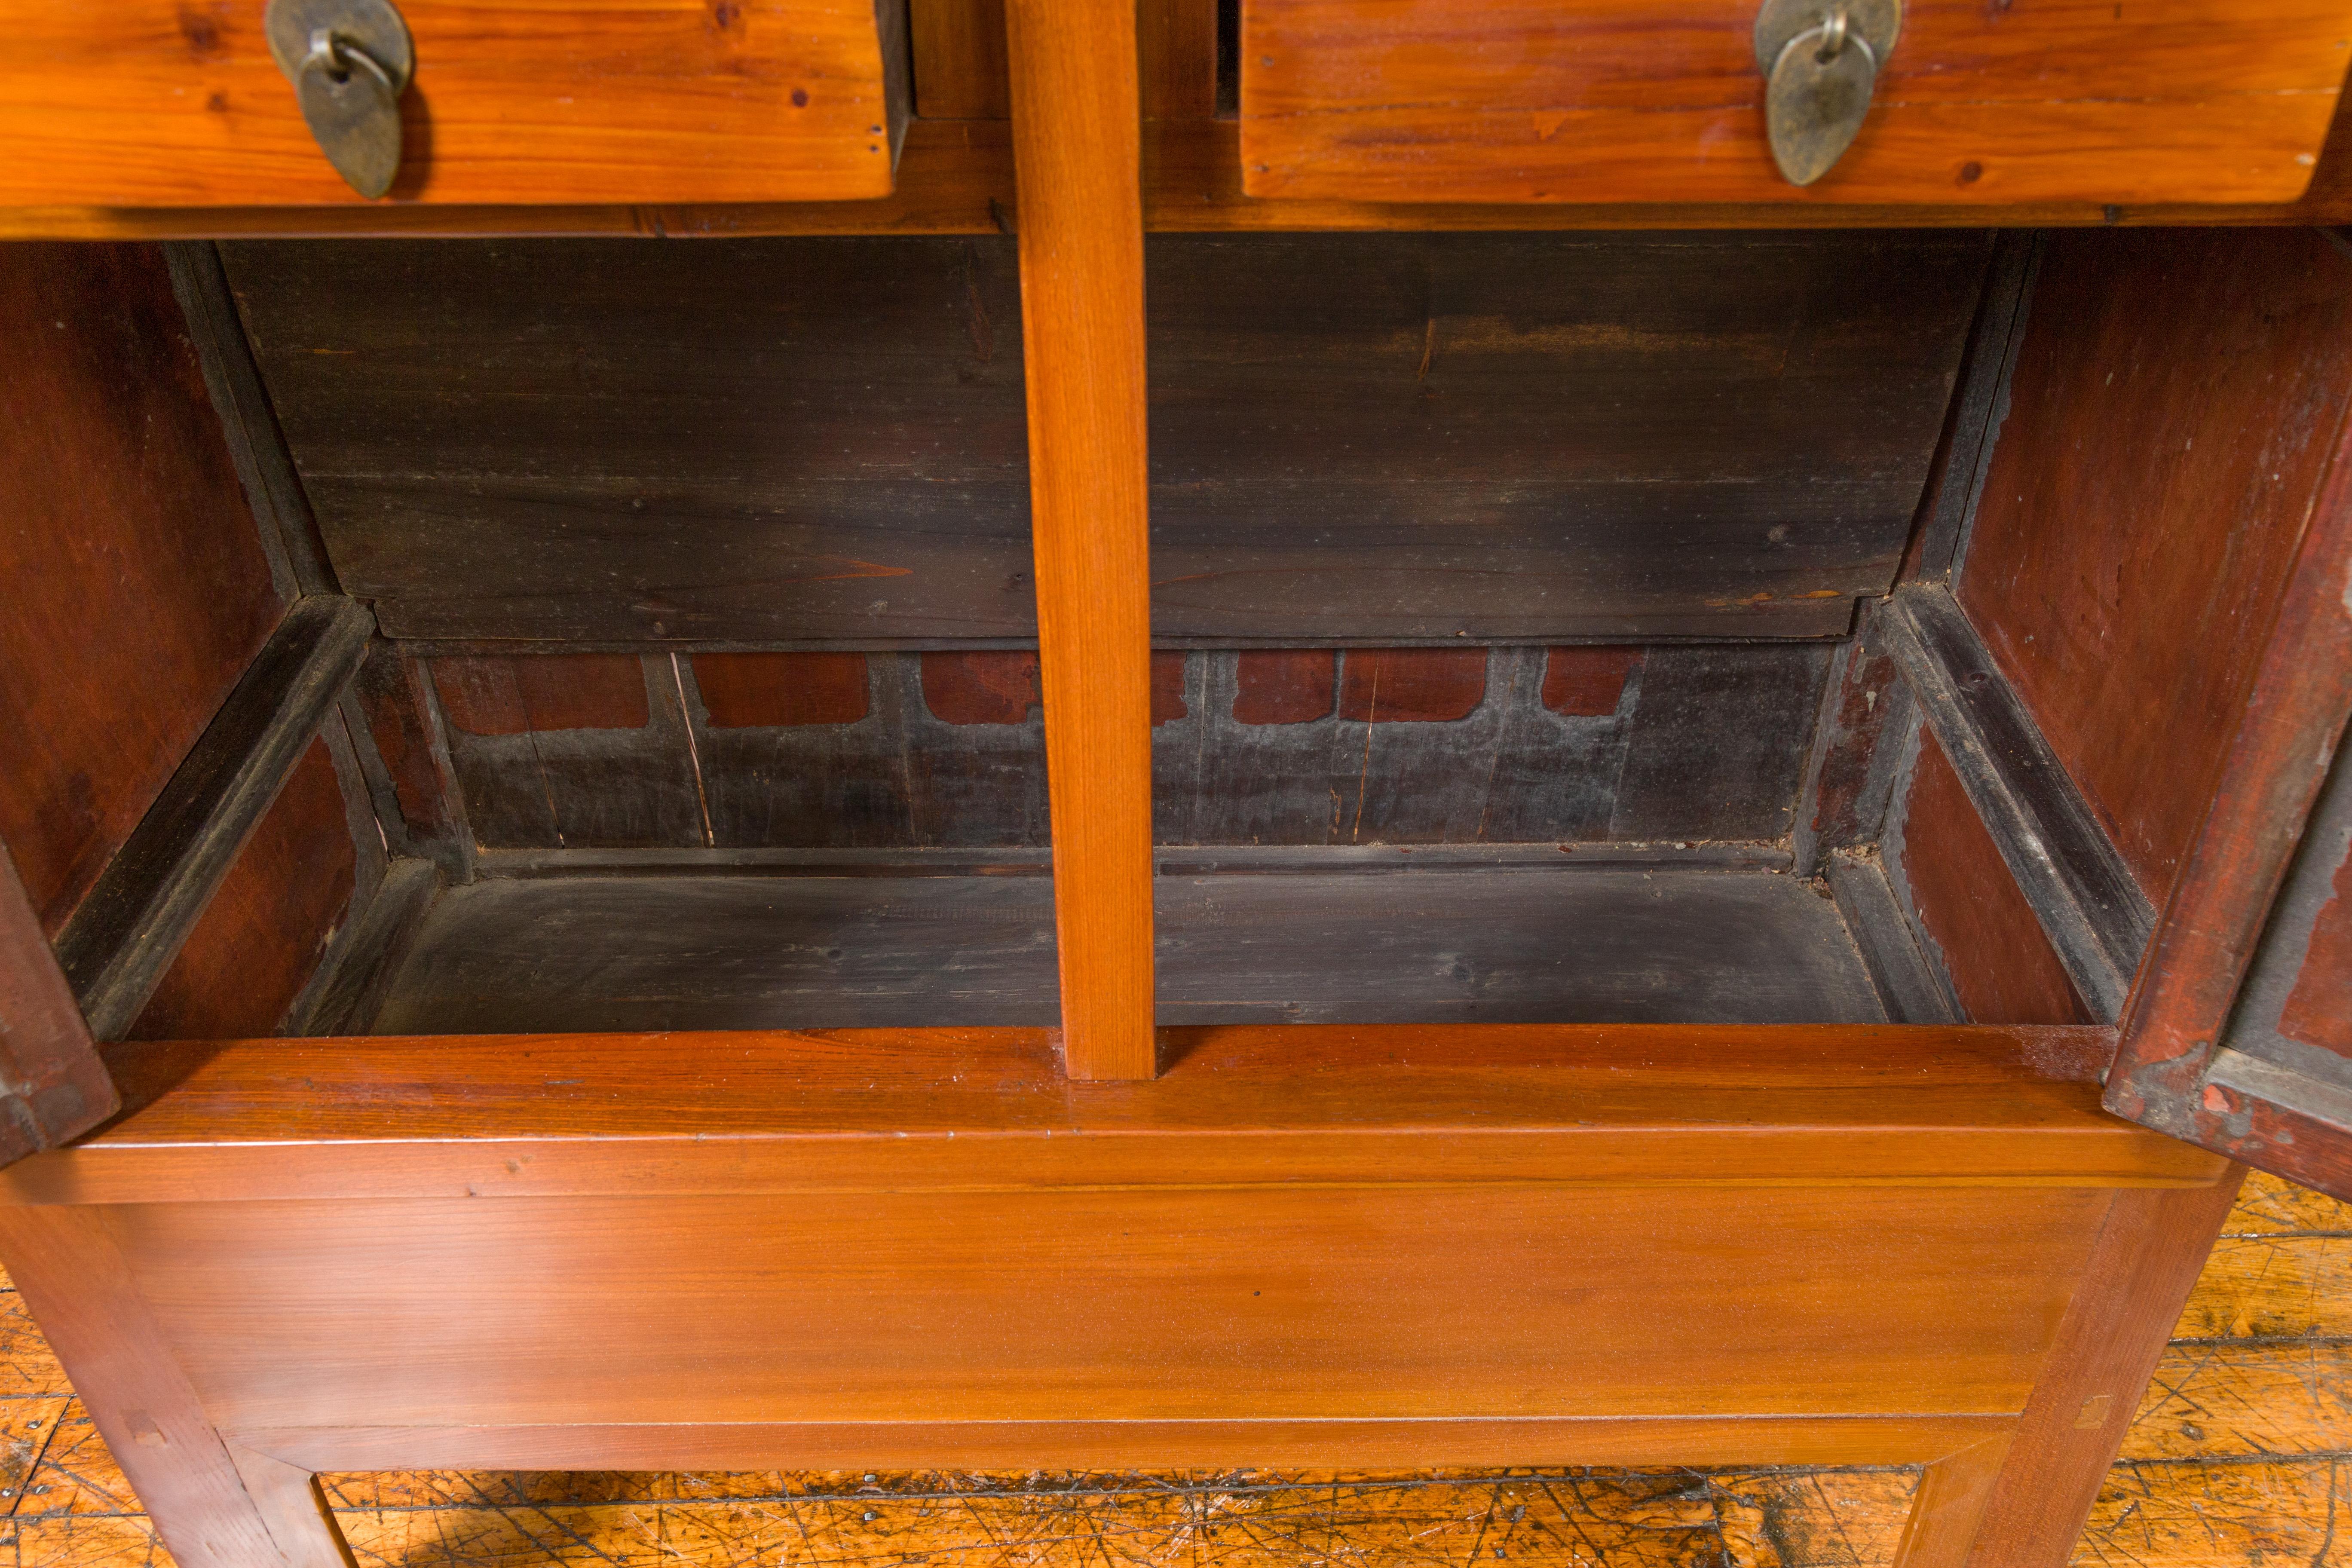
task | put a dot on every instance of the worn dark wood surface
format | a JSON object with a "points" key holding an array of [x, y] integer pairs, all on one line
{"points": [[127, 933], [123, 505], [823, 440], [288, 531], [265, 930], [1308, 746], [1851, 765], [2050, 841], [755, 952], [55, 1086], [1967, 908], [2175, 406], [1912, 984], [2302, 687]]}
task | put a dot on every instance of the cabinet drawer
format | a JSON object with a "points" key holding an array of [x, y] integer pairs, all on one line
{"points": [[178, 103], [1602, 100]]}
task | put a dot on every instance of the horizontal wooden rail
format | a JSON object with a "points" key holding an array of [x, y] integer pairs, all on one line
{"points": [[2070, 871], [1916, 989], [974, 1109], [1098, 1446], [121, 940], [955, 176]]}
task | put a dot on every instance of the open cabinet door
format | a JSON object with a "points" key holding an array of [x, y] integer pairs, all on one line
{"points": [[2239, 1035]]}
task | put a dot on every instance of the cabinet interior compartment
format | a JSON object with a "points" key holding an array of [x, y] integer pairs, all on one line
{"points": [[1540, 621]]}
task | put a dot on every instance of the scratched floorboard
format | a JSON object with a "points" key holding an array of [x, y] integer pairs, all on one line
{"points": [[2241, 1457]]}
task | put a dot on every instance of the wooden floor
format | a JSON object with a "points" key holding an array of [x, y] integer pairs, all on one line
{"points": [[2241, 1456]]}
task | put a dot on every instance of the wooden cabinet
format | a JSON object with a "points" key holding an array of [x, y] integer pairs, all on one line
{"points": [[154, 104], [1098, 821]]}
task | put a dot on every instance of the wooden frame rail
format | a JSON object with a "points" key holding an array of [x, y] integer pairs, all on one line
{"points": [[1398, 1170], [2091, 910], [956, 176], [122, 939]]}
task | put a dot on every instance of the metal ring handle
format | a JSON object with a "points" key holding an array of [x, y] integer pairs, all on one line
{"points": [[1819, 35]]}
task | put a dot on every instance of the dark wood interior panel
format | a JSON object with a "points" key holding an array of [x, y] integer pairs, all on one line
{"points": [[945, 749], [389, 697], [1558, 945], [1354, 436], [2173, 409], [1969, 908], [265, 930], [137, 587], [572, 750]]}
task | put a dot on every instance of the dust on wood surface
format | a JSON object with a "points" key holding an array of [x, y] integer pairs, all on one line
{"points": [[2239, 1457]]}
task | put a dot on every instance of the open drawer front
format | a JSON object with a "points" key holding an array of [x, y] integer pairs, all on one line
{"points": [[1591, 100], [150, 104]]}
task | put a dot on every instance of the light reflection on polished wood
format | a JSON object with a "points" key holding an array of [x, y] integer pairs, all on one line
{"points": [[2239, 1456]]}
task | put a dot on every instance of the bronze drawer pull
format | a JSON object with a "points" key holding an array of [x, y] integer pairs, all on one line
{"points": [[1820, 63], [349, 61]]}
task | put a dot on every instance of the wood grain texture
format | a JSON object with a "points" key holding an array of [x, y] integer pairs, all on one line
{"points": [[1436, 100], [2276, 766], [1850, 762], [390, 703], [1948, 1508], [54, 1085], [263, 933], [955, 177], [1983, 932], [138, 590], [68, 1265], [1075, 129], [294, 1509], [961, 71], [2235, 1459], [1560, 945], [123, 938], [1696, 743], [543, 102], [941, 1110], [562, 441], [288, 533], [2147, 1259], [2064, 866], [2176, 406], [978, 1306]]}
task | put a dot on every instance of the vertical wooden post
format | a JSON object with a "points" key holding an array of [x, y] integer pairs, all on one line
{"points": [[65, 1261], [2141, 1269], [1076, 149]]}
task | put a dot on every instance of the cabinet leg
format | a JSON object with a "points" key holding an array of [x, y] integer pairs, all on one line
{"points": [[2142, 1266], [73, 1275], [1949, 1507], [294, 1509]]}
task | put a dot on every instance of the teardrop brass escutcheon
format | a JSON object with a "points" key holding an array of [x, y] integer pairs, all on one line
{"points": [[349, 61], [1820, 59]]}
